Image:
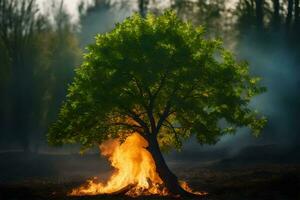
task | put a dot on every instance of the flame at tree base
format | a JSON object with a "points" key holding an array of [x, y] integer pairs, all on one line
{"points": [[135, 171]]}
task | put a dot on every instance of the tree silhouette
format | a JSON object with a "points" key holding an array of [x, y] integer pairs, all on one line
{"points": [[289, 15], [159, 77], [206, 13], [19, 21], [58, 54], [276, 14], [297, 13], [143, 7], [36, 63]]}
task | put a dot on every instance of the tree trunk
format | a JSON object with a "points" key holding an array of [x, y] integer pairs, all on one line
{"points": [[297, 15], [289, 15], [276, 14], [143, 5], [170, 180], [259, 13]]}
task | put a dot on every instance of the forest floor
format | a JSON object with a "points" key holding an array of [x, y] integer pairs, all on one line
{"points": [[228, 179]]}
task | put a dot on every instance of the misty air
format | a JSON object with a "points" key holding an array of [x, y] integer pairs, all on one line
{"points": [[175, 99]]}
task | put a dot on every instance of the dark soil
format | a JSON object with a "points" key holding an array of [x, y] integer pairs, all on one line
{"points": [[44, 177]]}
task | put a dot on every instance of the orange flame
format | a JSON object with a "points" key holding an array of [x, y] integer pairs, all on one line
{"points": [[135, 171]]}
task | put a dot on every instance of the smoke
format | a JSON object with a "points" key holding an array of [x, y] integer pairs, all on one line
{"points": [[71, 7], [100, 19], [272, 59], [276, 62]]}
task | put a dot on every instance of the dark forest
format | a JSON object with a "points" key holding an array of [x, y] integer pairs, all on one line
{"points": [[42, 45]]}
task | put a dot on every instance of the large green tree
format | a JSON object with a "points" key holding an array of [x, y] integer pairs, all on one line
{"points": [[160, 77]]}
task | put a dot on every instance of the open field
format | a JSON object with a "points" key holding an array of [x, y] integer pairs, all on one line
{"points": [[262, 182], [43, 177]]}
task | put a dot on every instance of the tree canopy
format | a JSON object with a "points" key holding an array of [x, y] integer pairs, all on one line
{"points": [[158, 76]]}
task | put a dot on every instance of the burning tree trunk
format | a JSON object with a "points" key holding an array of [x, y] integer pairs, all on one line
{"points": [[168, 177], [140, 169]]}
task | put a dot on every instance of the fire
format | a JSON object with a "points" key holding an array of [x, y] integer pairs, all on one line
{"points": [[135, 171]]}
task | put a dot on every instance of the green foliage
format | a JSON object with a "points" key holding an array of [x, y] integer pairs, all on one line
{"points": [[161, 77]]}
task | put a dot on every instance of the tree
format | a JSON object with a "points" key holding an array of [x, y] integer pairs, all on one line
{"points": [[289, 14], [259, 13], [59, 52], [143, 6], [255, 14], [36, 64], [209, 13], [276, 14], [19, 22], [160, 77]]}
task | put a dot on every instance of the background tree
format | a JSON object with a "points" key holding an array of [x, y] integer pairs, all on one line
{"points": [[19, 21], [297, 13], [143, 7], [289, 15], [37, 59], [210, 14], [159, 77], [58, 53], [251, 16], [276, 14]]}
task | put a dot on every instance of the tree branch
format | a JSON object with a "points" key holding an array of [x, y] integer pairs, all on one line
{"points": [[173, 129], [134, 116], [163, 117], [166, 111], [160, 86], [131, 126]]}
